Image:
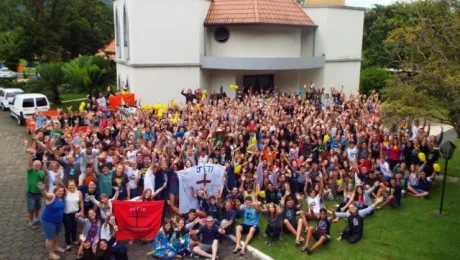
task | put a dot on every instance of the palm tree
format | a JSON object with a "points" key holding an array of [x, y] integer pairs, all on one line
{"points": [[51, 81], [87, 73]]}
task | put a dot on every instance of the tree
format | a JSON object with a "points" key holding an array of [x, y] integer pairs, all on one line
{"points": [[373, 78], [53, 30], [429, 48], [51, 81], [379, 21], [87, 73]]}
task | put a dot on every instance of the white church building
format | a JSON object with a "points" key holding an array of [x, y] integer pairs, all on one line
{"points": [[164, 46]]}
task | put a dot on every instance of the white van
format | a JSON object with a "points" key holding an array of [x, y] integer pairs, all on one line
{"points": [[7, 95], [26, 105]]}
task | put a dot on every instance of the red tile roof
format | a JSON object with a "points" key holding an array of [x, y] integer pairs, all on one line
{"points": [[108, 50], [242, 12]]}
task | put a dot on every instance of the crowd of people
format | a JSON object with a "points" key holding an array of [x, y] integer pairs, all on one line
{"points": [[285, 155]]}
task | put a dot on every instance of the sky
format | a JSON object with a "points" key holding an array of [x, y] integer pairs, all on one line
{"points": [[367, 3]]}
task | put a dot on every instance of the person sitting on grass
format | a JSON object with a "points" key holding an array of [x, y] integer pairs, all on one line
{"points": [[394, 199], [355, 228], [422, 189], [321, 232], [274, 216], [210, 239], [250, 226], [291, 210]]}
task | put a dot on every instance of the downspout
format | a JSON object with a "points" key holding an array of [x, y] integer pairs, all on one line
{"points": [[314, 42]]}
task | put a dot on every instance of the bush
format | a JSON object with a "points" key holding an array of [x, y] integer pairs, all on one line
{"points": [[373, 78]]}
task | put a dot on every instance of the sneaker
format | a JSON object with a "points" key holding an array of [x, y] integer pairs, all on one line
{"points": [[308, 250], [268, 243], [31, 224], [37, 221]]}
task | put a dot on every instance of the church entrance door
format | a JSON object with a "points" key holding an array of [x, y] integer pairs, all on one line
{"points": [[258, 82]]}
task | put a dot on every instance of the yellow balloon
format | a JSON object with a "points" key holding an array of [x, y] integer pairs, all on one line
{"points": [[165, 107], [326, 138], [160, 113], [262, 194], [174, 103], [238, 168], [421, 157], [253, 140], [437, 167], [175, 120], [157, 106], [198, 106]]}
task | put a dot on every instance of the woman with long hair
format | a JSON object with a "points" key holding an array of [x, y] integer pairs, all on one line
{"points": [[51, 218], [91, 226], [105, 204], [162, 245], [73, 205], [108, 233], [181, 240]]}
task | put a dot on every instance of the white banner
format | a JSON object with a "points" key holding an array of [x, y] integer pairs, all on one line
{"points": [[209, 175]]}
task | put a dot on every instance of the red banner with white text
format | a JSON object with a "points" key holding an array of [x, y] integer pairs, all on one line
{"points": [[137, 219]]}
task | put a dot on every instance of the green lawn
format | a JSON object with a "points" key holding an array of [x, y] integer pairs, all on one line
{"points": [[411, 232], [64, 106], [453, 168], [72, 96]]}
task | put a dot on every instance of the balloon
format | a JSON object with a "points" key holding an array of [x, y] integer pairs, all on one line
{"points": [[82, 106], [437, 167], [254, 140], [233, 86], [174, 103], [198, 107], [157, 106], [262, 194], [326, 138], [300, 92], [160, 113], [238, 168], [175, 120], [203, 96], [421, 157], [165, 107]]}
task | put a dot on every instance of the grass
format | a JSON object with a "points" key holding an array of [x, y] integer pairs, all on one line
{"points": [[453, 168], [75, 105], [72, 96], [411, 232]]}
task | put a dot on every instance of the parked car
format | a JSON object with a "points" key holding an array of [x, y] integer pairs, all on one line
{"points": [[25, 106], [7, 95], [6, 73]]}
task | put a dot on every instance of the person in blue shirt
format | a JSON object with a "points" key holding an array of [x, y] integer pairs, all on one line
{"points": [[210, 238], [250, 212]]}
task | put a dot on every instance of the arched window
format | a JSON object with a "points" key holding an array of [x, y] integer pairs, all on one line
{"points": [[117, 34], [125, 34]]}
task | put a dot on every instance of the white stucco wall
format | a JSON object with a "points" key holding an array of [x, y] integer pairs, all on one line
{"points": [[260, 41], [163, 31], [222, 78], [343, 73], [160, 84], [340, 32]]}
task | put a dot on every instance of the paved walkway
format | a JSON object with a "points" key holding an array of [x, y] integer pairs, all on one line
{"points": [[17, 240]]}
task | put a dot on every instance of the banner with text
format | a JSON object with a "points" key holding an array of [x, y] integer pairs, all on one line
{"points": [[207, 175], [137, 219]]}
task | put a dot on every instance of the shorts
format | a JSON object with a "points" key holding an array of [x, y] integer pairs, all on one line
{"points": [[317, 235], [246, 229], [206, 247], [286, 230], [419, 190], [51, 230], [33, 202]]}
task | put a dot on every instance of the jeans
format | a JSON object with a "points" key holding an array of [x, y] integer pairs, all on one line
{"points": [[350, 237], [70, 226], [275, 231]]}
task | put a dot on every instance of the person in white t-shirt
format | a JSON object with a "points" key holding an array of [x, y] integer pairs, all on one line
{"points": [[133, 176], [131, 153], [352, 151]]}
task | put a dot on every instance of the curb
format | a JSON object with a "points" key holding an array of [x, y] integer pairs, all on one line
{"points": [[255, 252]]}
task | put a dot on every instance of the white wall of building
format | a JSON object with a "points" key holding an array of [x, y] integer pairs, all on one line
{"points": [[160, 83], [340, 32], [260, 41], [343, 73], [165, 32]]}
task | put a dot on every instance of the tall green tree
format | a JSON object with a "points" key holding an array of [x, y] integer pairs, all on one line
{"points": [[51, 81], [53, 30], [429, 48]]}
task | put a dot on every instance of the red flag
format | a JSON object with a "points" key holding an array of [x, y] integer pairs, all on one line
{"points": [[137, 219]]}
